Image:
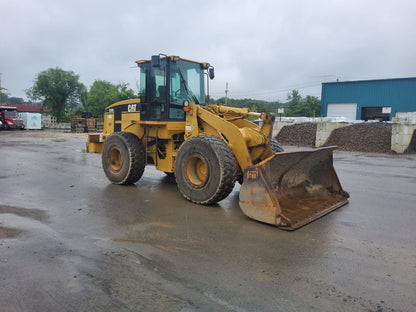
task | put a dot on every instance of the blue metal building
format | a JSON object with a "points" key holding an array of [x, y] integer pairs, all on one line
{"points": [[369, 99]]}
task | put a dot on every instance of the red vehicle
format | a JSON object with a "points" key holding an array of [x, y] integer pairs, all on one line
{"points": [[10, 118]]}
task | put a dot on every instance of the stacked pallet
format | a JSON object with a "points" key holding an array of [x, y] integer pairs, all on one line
{"points": [[79, 125], [100, 123], [91, 125]]}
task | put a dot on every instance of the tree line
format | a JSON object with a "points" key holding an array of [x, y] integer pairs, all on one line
{"points": [[296, 105], [63, 93]]}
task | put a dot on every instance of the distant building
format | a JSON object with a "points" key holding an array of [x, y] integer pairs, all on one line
{"points": [[26, 108], [381, 99]]}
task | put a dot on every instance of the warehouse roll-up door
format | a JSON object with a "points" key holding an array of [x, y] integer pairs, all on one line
{"points": [[348, 110]]}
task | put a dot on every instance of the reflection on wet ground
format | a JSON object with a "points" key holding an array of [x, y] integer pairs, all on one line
{"points": [[71, 241]]}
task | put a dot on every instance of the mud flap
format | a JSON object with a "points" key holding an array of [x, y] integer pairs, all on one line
{"points": [[291, 189]]}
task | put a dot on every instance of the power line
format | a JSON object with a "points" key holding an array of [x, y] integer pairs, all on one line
{"points": [[271, 92]]}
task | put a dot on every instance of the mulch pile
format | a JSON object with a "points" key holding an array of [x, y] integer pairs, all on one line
{"points": [[361, 137], [364, 137], [301, 134]]}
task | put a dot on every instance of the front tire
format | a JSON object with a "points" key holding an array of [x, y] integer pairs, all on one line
{"points": [[205, 169], [123, 158]]}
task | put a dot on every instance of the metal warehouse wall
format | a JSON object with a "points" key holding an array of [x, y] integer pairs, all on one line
{"points": [[399, 94]]}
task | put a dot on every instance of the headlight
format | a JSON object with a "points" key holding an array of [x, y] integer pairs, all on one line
{"points": [[186, 107]]}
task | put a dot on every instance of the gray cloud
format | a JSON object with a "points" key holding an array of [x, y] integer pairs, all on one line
{"points": [[263, 49]]}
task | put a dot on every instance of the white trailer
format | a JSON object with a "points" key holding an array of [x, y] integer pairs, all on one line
{"points": [[33, 121]]}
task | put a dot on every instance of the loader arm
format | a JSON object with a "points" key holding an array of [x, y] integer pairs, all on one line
{"points": [[238, 117]]}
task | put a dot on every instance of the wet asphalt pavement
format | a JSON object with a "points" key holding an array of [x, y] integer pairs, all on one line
{"points": [[71, 241]]}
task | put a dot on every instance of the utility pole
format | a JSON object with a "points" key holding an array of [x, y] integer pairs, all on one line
{"points": [[226, 93]]}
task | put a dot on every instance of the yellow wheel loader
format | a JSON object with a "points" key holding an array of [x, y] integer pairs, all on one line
{"points": [[210, 147]]}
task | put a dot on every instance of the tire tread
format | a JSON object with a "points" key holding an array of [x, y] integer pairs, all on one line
{"points": [[136, 156], [228, 169]]}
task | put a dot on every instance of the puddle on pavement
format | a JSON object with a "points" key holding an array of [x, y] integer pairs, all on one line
{"points": [[27, 145], [35, 214], [9, 233]]}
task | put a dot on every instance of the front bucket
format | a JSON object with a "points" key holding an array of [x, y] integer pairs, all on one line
{"points": [[291, 189]]}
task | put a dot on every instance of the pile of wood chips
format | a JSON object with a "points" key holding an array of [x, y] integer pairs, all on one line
{"points": [[362, 137], [301, 134]]}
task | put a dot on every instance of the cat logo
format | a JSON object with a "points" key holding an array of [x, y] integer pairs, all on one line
{"points": [[132, 108], [252, 174]]}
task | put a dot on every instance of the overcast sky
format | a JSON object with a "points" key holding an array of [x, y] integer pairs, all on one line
{"points": [[263, 49]]}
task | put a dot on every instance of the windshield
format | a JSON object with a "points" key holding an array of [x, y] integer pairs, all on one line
{"points": [[166, 85], [10, 114], [187, 82]]}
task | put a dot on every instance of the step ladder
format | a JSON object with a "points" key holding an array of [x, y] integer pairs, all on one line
{"points": [[156, 139]]}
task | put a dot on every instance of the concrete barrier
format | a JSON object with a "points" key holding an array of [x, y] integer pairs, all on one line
{"points": [[401, 137], [50, 122], [278, 125], [324, 130]]}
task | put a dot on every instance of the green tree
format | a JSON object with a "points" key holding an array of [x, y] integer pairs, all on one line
{"points": [[103, 93], [58, 90], [314, 106], [3, 93], [76, 111], [253, 107], [298, 106], [209, 100], [294, 99], [16, 100], [3, 97], [295, 106]]}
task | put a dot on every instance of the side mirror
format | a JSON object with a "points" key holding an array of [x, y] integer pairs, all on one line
{"points": [[211, 72], [155, 61]]}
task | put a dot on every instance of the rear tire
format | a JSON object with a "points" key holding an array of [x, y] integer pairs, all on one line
{"points": [[123, 158], [205, 169]]}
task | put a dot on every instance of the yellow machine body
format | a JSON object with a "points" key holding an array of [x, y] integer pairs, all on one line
{"points": [[286, 189]]}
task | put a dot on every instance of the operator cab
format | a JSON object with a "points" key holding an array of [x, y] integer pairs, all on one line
{"points": [[166, 82]]}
